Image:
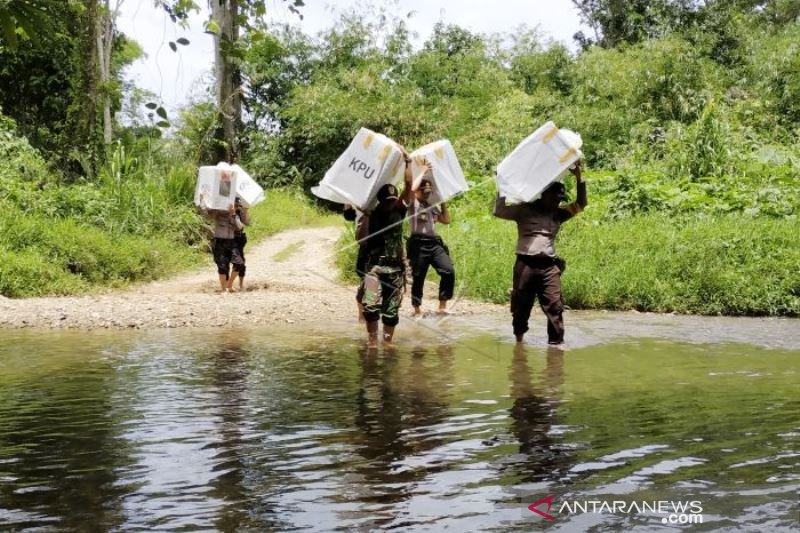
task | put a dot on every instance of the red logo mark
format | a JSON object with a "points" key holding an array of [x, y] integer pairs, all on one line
{"points": [[548, 501]]}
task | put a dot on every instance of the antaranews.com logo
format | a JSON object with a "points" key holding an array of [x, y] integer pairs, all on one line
{"points": [[671, 512]]}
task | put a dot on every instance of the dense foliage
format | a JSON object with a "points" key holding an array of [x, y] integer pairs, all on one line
{"points": [[689, 111], [672, 125], [693, 154], [134, 222]]}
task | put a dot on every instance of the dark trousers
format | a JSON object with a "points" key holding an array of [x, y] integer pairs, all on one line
{"points": [[223, 254], [424, 252], [237, 257], [540, 278]]}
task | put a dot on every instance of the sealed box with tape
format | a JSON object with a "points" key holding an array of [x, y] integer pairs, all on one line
{"points": [[216, 188], [370, 161], [539, 160], [447, 177]]}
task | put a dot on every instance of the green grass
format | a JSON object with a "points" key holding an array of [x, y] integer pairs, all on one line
{"points": [[284, 209], [43, 255], [288, 252], [710, 265]]}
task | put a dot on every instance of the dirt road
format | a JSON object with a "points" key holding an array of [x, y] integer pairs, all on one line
{"points": [[291, 278]]}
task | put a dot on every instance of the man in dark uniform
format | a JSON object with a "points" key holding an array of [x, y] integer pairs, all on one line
{"points": [[385, 266], [426, 248], [537, 271]]}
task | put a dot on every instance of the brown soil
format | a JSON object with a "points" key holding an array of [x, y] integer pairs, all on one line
{"points": [[299, 286]]}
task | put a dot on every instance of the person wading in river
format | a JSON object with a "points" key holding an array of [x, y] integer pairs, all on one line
{"points": [[384, 281], [537, 271], [426, 248]]}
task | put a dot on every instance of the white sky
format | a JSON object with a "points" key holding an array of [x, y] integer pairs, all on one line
{"points": [[175, 77]]}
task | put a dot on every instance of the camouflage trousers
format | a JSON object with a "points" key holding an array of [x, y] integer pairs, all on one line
{"points": [[383, 294]]}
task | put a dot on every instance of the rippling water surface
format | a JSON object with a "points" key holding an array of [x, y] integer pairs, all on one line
{"points": [[280, 430]]}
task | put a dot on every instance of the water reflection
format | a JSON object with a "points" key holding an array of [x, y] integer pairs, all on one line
{"points": [[534, 413], [60, 455], [234, 432], [396, 406], [230, 383]]}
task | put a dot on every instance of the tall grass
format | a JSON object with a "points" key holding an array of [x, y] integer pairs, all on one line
{"points": [[135, 222], [712, 265], [726, 264], [42, 256]]}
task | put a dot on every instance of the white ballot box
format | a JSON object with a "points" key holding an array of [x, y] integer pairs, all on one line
{"points": [[539, 160], [370, 161], [216, 188], [324, 192], [448, 179], [247, 189]]}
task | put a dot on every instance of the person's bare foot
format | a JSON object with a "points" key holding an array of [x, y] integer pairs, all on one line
{"points": [[417, 311], [231, 289], [520, 338]]}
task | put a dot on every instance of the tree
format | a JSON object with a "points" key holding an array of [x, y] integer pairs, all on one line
{"points": [[614, 22], [104, 46], [30, 18], [229, 20], [63, 87], [631, 21], [225, 15], [47, 85]]}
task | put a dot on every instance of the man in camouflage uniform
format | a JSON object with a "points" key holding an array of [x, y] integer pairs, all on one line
{"points": [[384, 281]]}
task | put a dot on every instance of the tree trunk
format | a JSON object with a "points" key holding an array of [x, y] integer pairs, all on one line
{"points": [[229, 102], [86, 129], [102, 26]]}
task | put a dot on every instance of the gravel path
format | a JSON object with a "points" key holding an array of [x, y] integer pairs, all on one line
{"points": [[299, 285]]}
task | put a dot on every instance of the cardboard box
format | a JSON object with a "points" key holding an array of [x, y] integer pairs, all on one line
{"points": [[448, 179], [539, 160], [370, 161], [247, 189], [324, 192], [217, 186]]}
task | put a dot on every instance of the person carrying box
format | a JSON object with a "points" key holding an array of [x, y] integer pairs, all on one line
{"points": [[384, 280], [224, 240], [537, 271], [426, 248]]}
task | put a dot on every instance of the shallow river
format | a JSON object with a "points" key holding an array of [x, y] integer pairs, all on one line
{"points": [[643, 423]]}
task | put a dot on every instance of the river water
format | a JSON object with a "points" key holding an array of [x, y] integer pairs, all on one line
{"points": [[453, 428]]}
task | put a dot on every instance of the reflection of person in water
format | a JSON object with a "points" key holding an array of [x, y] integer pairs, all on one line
{"points": [[533, 414], [230, 374], [395, 398]]}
